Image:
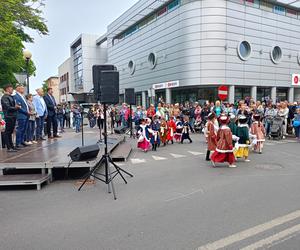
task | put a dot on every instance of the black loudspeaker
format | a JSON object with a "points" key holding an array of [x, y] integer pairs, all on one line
{"points": [[109, 87], [84, 153], [120, 130], [98, 81], [130, 96]]}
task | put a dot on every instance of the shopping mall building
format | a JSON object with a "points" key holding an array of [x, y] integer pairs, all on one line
{"points": [[183, 50]]}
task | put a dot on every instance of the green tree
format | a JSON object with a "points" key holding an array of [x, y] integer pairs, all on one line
{"points": [[17, 17]]}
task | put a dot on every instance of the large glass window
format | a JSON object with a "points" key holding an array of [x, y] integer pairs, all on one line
{"points": [[78, 67], [263, 94], [241, 93]]}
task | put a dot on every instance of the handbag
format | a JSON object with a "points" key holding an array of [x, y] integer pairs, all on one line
{"points": [[296, 124]]}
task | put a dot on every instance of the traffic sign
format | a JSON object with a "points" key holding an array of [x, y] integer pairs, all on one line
{"points": [[223, 92], [296, 79]]}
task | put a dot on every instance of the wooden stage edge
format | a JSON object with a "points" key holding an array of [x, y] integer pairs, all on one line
{"points": [[57, 158]]}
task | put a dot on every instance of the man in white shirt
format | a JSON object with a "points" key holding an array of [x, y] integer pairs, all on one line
{"points": [[41, 110]]}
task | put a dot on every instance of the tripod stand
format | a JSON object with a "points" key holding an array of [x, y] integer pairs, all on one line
{"points": [[106, 160]]}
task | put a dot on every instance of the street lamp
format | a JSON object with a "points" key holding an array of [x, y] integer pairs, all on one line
{"points": [[27, 56]]}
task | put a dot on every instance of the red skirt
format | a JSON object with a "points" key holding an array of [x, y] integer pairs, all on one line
{"points": [[177, 137], [144, 145], [223, 157]]}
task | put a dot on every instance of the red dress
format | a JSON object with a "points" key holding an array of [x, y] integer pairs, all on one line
{"points": [[171, 130], [211, 137], [224, 150]]}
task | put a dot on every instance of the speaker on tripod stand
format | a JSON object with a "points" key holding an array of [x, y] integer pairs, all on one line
{"points": [[130, 99], [106, 93]]}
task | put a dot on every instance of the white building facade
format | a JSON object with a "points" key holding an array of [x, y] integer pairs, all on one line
{"points": [[195, 46]]}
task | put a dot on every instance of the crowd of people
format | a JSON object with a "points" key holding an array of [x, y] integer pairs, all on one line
{"points": [[249, 122], [26, 116], [231, 130]]}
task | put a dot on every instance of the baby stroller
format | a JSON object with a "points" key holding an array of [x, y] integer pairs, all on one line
{"points": [[276, 128]]}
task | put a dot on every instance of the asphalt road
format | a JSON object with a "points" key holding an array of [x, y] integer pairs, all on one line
{"points": [[176, 200]]}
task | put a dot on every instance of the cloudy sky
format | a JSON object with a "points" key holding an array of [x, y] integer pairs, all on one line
{"points": [[66, 19]]}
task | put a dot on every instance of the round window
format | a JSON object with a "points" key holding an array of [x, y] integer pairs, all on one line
{"points": [[276, 54], [152, 60], [131, 67], [244, 50]]}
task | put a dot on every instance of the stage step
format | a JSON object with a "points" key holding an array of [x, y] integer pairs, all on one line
{"points": [[122, 152], [24, 179]]}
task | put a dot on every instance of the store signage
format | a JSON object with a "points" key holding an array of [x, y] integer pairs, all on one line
{"points": [[296, 79], [166, 85]]}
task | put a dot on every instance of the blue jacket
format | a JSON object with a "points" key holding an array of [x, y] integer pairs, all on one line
{"points": [[51, 105], [23, 111], [39, 108]]}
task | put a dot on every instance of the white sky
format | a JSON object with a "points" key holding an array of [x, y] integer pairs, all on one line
{"points": [[66, 19]]}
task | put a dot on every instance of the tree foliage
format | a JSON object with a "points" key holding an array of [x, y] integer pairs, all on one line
{"points": [[17, 18]]}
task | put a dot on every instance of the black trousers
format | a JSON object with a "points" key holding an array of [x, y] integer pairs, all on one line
{"points": [[9, 129], [52, 122]]}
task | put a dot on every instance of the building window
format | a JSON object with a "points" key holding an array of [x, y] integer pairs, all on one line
{"points": [[173, 5], [244, 50], [152, 60], [276, 54], [131, 67], [253, 3], [162, 11], [279, 10]]}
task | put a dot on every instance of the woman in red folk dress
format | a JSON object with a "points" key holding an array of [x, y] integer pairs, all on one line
{"points": [[171, 130], [224, 150], [211, 135], [258, 130]]}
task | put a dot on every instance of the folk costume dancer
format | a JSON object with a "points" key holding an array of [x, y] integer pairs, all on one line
{"points": [[171, 130], [154, 130], [163, 131], [258, 130], [211, 135], [143, 136], [179, 128], [186, 130], [224, 149], [242, 131], [233, 127]]}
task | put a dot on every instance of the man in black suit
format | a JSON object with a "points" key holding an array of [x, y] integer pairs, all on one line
{"points": [[10, 109], [51, 114]]}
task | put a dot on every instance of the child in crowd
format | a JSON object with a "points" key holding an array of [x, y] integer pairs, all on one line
{"points": [[179, 127], [186, 130], [224, 149], [258, 130], [154, 130], [171, 130], [143, 136], [211, 135], [242, 131], [163, 131]]}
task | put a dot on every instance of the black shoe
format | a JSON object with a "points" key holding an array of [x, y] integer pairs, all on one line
{"points": [[56, 136], [24, 144], [11, 150], [42, 139], [16, 148]]}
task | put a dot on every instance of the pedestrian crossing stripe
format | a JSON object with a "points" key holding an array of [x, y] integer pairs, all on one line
{"points": [[178, 156], [158, 158], [137, 161], [195, 153]]}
